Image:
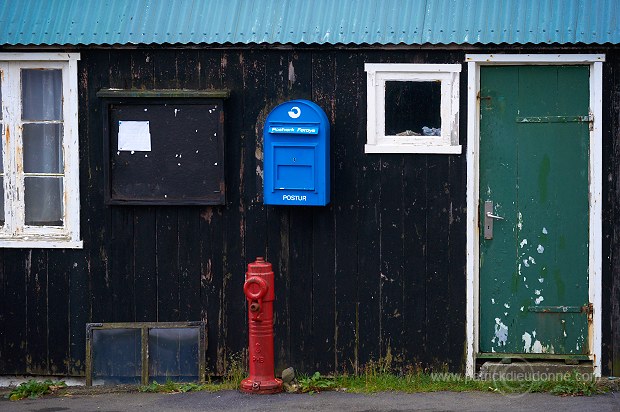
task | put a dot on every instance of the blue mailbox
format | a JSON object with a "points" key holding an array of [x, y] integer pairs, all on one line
{"points": [[296, 150]]}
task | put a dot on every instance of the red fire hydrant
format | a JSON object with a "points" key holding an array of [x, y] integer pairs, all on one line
{"points": [[259, 291]]}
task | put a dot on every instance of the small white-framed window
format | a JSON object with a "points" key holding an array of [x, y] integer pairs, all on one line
{"points": [[412, 108], [39, 166]]}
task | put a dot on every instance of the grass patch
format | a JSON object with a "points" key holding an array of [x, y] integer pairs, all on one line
{"points": [[33, 389], [235, 372], [570, 385], [408, 383], [231, 380], [173, 387], [373, 381]]}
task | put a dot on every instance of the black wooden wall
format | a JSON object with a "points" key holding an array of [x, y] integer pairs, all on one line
{"points": [[377, 274]]}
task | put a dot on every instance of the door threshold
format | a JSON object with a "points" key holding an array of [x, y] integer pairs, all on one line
{"points": [[535, 370], [533, 356]]}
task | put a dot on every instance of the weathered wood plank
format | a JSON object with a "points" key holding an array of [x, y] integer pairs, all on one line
{"points": [[391, 250], [168, 286], [89, 281], [369, 247], [611, 214], [212, 239], [68, 311], [457, 229], [122, 265], [300, 237], [120, 287], [415, 246], [145, 264], [211, 282], [144, 218], [324, 239], [349, 213], [3, 311], [189, 263], [188, 77], [232, 329], [438, 255], [167, 218], [277, 220], [254, 83], [16, 306], [188, 69], [36, 320]]}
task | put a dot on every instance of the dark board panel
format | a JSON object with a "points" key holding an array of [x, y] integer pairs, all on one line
{"points": [[182, 160], [377, 277]]}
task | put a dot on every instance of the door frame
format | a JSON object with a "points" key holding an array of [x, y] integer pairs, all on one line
{"points": [[474, 62]]}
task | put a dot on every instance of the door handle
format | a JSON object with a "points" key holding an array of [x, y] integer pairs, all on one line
{"points": [[489, 217]]}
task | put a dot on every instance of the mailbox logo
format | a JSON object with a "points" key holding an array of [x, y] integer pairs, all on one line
{"points": [[295, 112]]}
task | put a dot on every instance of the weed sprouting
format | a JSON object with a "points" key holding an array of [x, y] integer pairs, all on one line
{"points": [[33, 389], [316, 383]]}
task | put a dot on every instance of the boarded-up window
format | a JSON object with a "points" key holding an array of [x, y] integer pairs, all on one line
{"points": [[164, 150]]}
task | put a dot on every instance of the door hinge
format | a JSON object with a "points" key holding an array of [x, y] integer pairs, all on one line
{"points": [[589, 311], [591, 121]]}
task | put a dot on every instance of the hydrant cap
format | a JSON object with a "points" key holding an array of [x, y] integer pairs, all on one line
{"points": [[259, 266]]}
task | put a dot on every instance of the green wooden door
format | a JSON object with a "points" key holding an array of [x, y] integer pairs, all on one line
{"points": [[534, 145]]}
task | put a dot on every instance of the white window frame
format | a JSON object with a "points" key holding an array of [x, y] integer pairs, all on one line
{"points": [[15, 233], [378, 74]]}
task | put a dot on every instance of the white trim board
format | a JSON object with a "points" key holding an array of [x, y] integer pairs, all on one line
{"points": [[595, 191]]}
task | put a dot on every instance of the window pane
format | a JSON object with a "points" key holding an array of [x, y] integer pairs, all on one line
{"points": [[412, 108], [43, 201], [41, 94], [117, 356], [173, 354], [43, 148]]}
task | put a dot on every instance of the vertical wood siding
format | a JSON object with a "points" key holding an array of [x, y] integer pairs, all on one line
{"points": [[379, 273]]}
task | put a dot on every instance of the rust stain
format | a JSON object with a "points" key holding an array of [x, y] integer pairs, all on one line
{"points": [[66, 202], [207, 215], [241, 181], [84, 79], [207, 275]]}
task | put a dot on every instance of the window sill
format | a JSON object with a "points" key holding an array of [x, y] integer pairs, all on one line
{"points": [[412, 148], [31, 242]]}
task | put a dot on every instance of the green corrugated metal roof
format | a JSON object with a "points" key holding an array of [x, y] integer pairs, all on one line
{"points": [[99, 22]]}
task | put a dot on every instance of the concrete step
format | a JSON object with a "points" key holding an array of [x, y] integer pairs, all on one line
{"points": [[538, 370]]}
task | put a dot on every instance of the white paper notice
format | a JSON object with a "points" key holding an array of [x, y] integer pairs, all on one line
{"points": [[134, 136]]}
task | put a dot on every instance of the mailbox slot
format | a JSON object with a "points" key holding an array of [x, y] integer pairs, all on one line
{"points": [[294, 167]]}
